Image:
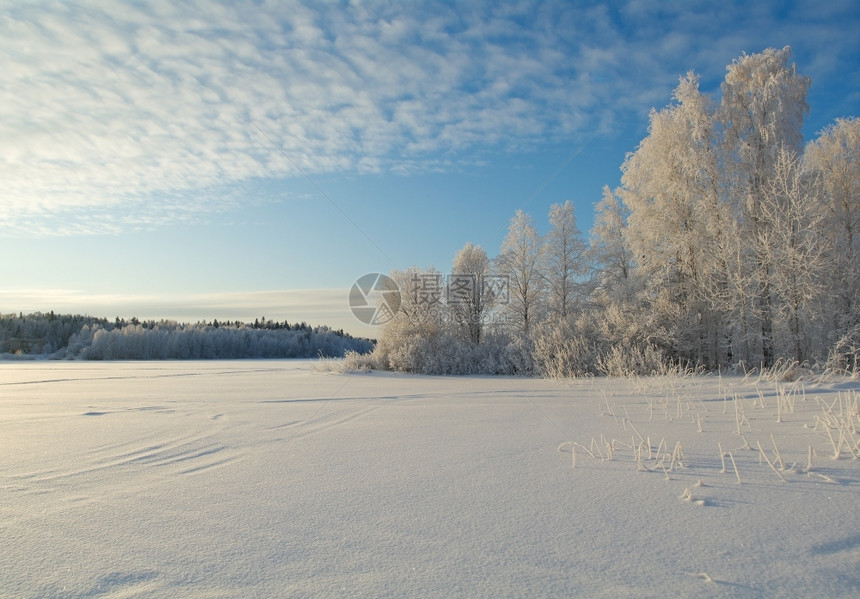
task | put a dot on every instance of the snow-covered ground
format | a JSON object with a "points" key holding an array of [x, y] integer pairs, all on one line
{"points": [[239, 479]]}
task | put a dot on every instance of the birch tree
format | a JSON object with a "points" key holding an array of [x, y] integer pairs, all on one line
{"points": [[834, 159], [466, 298], [565, 259], [520, 261], [795, 244], [609, 249], [762, 111], [670, 186]]}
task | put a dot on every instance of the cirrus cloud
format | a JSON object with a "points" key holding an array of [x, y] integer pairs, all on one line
{"points": [[116, 115]]}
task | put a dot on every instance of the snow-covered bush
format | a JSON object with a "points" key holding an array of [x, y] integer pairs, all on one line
{"points": [[448, 354], [630, 361], [844, 356], [564, 352]]}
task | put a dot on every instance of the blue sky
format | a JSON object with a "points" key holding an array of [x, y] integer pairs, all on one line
{"points": [[233, 160]]}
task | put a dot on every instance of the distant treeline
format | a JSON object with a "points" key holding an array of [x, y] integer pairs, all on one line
{"points": [[67, 336]]}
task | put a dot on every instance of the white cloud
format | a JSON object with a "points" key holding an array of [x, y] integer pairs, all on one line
{"points": [[118, 114]]}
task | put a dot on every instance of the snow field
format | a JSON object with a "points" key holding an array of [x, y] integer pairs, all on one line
{"points": [[258, 478]]}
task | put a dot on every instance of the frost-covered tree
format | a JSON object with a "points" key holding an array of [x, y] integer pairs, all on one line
{"points": [[795, 245], [676, 225], [834, 159], [520, 261], [565, 261], [421, 337], [609, 249], [467, 301], [420, 316], [762, 112]]}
